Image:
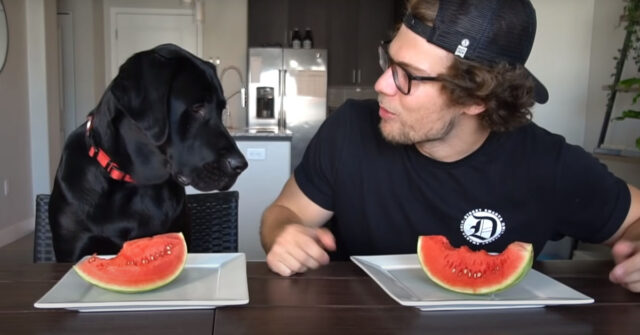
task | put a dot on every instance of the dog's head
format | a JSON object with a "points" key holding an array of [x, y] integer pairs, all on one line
{"points": [[172, 103]]}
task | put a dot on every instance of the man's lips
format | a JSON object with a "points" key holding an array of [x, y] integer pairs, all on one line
{"points": [[385, 114]]}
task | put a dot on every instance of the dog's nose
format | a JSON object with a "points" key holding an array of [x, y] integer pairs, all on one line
{"points": [[236, 163]]}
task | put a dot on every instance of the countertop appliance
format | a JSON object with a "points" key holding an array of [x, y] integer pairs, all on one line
{"points": [[287, 89]]}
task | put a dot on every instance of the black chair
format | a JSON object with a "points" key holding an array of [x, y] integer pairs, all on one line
{"points": [[560, 249], [214, 221], [42, 244], [214, 224]]}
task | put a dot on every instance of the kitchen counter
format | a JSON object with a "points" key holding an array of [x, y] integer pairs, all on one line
{"points": [[260, 134]]}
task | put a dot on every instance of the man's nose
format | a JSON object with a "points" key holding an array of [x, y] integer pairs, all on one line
{"points": [[385, 84]]}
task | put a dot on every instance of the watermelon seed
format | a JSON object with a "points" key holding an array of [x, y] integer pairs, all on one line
{"points": [[168, 252], [152, 257], [145, 261]]}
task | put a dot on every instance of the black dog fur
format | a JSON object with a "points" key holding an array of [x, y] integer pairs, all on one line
{"points": [[159, 121]]}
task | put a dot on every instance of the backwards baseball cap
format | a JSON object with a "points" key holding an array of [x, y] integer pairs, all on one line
{"points": [[485, 31]]}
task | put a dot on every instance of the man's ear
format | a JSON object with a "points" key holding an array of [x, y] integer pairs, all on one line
{"points": [[475, 109], [141, 90]]}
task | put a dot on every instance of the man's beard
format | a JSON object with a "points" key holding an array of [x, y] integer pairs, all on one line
{"points": [[403, 136]]}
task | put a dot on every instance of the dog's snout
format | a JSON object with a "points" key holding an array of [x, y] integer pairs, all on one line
{"points": [[236, 163]]}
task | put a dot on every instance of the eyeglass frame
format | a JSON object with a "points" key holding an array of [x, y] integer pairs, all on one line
{"points": [[385, 58]]}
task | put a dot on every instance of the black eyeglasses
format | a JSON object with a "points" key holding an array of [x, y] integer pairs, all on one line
{"points": [[401, 77]]}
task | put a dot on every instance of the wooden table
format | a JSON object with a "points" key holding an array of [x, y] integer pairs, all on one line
{"points": [[336, 299]]}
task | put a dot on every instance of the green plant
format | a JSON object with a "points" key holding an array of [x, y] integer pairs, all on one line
{"points": [[630, 48]]}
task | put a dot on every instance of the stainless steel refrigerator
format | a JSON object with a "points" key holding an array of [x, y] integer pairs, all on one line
{"points": [[287, 89]]}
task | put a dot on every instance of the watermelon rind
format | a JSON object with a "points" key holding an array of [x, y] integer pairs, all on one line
{"points": [[516, 276], [152, 285]]}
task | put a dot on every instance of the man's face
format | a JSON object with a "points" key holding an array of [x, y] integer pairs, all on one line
{"points": [[425, 114]]}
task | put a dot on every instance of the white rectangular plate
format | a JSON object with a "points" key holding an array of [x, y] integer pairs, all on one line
{"points": [[207, 281], [402, 277]]}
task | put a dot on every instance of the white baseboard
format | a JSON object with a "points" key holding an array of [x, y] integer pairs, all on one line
{"points": [[16, 231]]}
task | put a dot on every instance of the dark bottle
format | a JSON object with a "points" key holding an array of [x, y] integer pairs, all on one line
{"points": [[307, 40], [296, 39]]}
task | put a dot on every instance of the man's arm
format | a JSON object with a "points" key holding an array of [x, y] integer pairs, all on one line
{"points": [[291, 235], [626, 247]]}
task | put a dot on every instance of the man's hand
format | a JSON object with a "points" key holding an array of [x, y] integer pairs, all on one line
{"points": [[627, 270], [298, 248]]}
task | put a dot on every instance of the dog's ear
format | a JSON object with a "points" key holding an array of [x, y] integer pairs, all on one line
{"points": [[141, 90]]}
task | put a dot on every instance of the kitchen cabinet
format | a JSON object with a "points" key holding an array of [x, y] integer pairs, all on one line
{"points": [[310, 14], [356, 28], [271, 22], [349, 29], [268, 24]]}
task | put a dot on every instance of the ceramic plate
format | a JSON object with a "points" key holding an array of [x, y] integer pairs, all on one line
{"points": [[207, 281], [402, 277]]}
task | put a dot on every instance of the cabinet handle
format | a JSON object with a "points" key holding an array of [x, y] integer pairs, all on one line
{"points": [[359, 76], [353, 76]]}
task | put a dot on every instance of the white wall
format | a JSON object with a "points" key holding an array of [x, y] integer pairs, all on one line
{"points": [[607, 37], [29, 118], [573, 56], [225, 32], [15, 160], [88, 53], [560, 59]]}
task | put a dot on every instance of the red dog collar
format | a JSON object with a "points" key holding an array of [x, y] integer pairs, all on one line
{"points": [[103, 159]]}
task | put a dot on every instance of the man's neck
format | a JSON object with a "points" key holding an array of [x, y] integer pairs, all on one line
{"points": [[467, 136]]}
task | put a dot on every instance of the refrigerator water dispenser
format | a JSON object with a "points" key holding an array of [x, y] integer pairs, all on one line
{"points": [[264, 103]]}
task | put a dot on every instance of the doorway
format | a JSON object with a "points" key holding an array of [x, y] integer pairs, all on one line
{"points": [[134, 29], [67, 85]]}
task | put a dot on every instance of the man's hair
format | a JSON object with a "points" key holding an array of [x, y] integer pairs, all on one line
{"points": [[507, 91]]}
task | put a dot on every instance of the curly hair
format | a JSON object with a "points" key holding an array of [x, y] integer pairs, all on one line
{"points": [[507, 91]]}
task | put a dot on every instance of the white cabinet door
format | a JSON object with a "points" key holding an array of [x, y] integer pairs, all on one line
{"points": [[258, 186]]}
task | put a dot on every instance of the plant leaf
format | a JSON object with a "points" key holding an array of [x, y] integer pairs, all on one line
{"points": [[631, 114]]}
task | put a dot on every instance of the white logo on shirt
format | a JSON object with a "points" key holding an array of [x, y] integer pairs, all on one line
{"points": [[482, 226]]}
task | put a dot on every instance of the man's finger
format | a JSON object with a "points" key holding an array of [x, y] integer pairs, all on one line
{"points": [[633, 287], [304, 253], [622, 250], [278, 267], [326, 239], [627, 271]]}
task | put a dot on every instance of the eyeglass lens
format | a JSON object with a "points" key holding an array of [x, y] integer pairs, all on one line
{"points": [[400, 76]]}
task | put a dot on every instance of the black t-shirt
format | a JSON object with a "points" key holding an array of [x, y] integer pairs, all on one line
{"points": [[525, 185]]}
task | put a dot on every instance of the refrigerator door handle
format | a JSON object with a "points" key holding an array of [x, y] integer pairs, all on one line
{"points": [[282, 81], [353, 76], [359, 76]]}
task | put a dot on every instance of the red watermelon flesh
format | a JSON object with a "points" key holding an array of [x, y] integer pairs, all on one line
{"points": [[475, 272], [141, 265]]}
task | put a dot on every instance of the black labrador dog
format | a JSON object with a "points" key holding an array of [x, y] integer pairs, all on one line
{"points": [[156, 129]]}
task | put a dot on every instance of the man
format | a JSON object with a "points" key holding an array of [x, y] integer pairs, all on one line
{"points": [[449, 149]]}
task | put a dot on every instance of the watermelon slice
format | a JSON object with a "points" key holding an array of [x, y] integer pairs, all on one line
{"points": [[474, 272], [141, 265]]}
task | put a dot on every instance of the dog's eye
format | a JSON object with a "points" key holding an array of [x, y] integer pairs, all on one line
{"points": [[198, 110]]}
